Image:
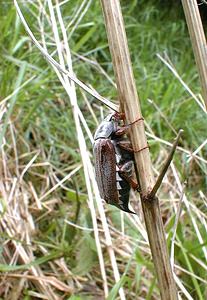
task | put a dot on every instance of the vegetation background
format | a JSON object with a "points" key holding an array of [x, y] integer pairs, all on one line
{"points": [[48, 238]]}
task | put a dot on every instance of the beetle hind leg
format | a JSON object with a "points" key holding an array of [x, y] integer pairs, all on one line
{"points": [[126, 171]]}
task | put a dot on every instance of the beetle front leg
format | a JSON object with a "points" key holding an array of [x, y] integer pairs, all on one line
{"points": [[125, 128], [122, 130]]}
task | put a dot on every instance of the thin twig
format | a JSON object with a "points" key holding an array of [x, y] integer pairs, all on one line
{"points": [[78, 226], [191, 156], [165, 167], [159, 140], [66, 178], [179, 210]]}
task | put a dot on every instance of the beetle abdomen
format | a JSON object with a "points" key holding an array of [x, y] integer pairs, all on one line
{"points": [[124, 196], [105, 169]]}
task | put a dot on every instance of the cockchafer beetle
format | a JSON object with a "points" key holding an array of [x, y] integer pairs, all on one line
{"points": [[114, 161]]}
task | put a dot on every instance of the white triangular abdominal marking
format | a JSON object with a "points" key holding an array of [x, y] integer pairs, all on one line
{"points": [[118, 178], [118, 186], [118, 157]]}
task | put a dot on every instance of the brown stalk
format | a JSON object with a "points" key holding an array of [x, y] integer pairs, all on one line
{"points": [[129, 103], [165, 166], [198, 41]]}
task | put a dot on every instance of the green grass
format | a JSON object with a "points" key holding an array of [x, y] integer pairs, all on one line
{"points": [[39, 119]]}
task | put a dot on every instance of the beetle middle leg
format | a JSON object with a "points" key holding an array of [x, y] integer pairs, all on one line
{"points": [[126, 145]]}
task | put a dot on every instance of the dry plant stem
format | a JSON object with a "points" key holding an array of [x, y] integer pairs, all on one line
{"points": [[165, 166], [129, 103], [198, 41]]}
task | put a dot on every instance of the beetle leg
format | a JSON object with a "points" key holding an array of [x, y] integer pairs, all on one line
{"points": [[121, 116], [137, 120], [131, 181], [138, 150], [128, 146], [126, 172], [127, 168], [122, 130], [125, 128]]}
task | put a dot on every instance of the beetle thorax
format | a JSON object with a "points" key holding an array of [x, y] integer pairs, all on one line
{"points": [[105, 130]]}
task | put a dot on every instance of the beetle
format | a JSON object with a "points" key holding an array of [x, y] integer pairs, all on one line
{"points": [[114, 162]]}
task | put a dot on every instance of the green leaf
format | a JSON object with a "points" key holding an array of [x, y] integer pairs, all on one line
{"points": [[151, 289], [13, 101], [72, 195], [75, 298], [84, 39], [20, 43], [190, 269], [86, 255], [113, 293], [38, 261]]}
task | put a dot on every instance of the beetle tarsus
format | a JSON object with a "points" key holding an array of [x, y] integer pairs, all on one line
{"points": [[139, 150], [137, 120]]}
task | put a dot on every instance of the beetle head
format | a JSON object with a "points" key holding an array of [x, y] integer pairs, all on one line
{"points": [[108, 126], [115, 116], [118, 116]]}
